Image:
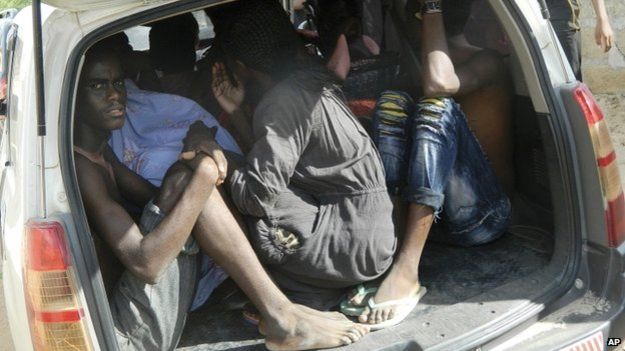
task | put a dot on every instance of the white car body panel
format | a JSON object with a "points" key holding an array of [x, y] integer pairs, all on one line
{"points": [[63, 28]]}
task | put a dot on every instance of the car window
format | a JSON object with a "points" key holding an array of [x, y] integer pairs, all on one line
{"points": [[205, 24], [139, 36], [8, 33], [8, 13]]}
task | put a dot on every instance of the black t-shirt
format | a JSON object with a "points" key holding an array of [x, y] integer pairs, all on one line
{"points": [[455, 15], [564, 14]]}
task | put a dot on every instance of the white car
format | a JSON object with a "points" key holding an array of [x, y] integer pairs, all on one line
{"points": [[554, 282]]}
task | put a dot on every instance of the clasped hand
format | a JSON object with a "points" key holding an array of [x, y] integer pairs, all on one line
{"points": [[199, 143]]}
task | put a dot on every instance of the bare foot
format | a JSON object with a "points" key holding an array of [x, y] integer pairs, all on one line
{"points": [[330, 314], [255, 317], [401, 283], [301, 328]]}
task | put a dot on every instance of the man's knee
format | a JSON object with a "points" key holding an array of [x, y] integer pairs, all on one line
{"points": [[435, 114], [393, 108]]}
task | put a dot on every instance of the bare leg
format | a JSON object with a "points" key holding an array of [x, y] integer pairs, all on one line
{"points": [[339, 61], [403, 279], [219, 233], [286, 325], [485, 100], [492, 126]]}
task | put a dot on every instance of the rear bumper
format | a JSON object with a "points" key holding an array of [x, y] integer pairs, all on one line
{"points": [[587, 323]]}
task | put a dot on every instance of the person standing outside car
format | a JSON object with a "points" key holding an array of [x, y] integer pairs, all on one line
{"points": [[565, 21]]}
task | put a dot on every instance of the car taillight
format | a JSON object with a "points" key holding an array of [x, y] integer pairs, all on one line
{"points": [[56, 316], [614, 203]]}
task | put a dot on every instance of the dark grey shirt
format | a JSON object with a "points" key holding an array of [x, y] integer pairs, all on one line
{"points": [[314, 172], [564, 14]]}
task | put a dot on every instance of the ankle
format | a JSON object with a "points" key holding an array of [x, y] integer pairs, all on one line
{"points": [[281, 319], [404, 273]]}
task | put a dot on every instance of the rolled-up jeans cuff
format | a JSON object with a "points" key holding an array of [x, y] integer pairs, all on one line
{"points": [[424, 196], [152, 216]]}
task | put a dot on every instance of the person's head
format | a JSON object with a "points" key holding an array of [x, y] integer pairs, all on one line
{"points": [[257, 40], [336, 17], [173, 42], [117, 42], [101, 97]]}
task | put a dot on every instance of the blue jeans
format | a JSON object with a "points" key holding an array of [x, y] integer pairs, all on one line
{"points": [[432, 158]]}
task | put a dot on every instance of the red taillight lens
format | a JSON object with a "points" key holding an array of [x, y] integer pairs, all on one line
{"points": [[56, 316], [592, 343], [46, 247], [607, 165]]}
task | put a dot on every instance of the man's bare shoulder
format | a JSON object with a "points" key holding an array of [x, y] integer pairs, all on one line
{"points": [[83, 165], [91, 179]]}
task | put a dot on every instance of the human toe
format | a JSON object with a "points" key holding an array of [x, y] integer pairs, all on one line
{"points": [[365, 316], [385, 314]]}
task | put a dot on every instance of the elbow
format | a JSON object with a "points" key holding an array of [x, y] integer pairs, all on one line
{"points": [[440, 86]]}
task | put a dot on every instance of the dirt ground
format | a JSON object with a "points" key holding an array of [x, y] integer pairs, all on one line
{"points": [[613, 106]]}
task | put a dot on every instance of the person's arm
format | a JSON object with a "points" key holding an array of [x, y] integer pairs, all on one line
{"points": [[240, 120], [439, 76], [147, 256], [201, 139], [282, 130], [231, 96], [604, 36], [132, 186], [340, 61], [282, 133]]}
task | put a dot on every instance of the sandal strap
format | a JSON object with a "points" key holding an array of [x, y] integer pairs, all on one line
{"points": [[407, 301], [360, 290]]}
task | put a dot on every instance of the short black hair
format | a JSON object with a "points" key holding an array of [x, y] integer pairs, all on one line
{"points": [[102, 49], [336, 17], [117, 42], [260, 34], [172, 43]]}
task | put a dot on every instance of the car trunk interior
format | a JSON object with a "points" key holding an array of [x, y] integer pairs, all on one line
{"points": [[470, 290]]}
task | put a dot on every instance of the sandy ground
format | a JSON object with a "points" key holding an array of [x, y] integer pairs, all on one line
{"points": [[613, 106]]}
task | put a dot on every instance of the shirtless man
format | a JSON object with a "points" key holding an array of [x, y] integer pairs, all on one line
{"points": [[149, 268]]}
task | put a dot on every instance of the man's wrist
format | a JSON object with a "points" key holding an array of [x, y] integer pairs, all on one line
{"points": [[431, 7]]}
